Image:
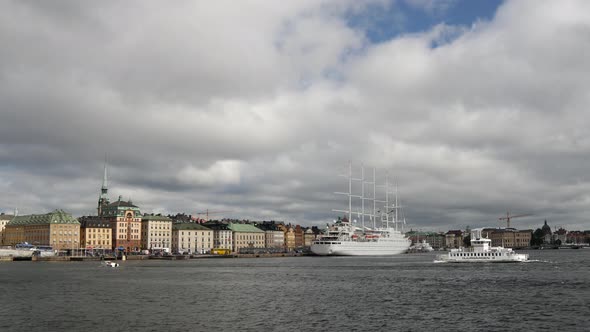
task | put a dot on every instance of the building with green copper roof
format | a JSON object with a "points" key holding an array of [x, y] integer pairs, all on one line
{"points": [[244, 228], [58, 229], [55, 217], [246, 236], [125, 220]]}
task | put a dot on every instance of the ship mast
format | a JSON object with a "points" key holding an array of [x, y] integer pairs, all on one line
{"points": [[363, 195], [374, 199], [362, 213], [350, 192], [396, 209], [386, 201]]}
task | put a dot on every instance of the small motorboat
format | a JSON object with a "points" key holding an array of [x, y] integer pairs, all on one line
{"points": [[110, 264]]}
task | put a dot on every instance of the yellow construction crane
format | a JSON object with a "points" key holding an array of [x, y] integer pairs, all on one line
{"points": [[509, 217], [207, 213]]}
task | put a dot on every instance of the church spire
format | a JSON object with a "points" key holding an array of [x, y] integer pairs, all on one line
{"points": [[104, 188], [103, 199]]}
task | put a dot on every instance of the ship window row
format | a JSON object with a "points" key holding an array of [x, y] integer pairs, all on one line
{"points": [[476, 254]]}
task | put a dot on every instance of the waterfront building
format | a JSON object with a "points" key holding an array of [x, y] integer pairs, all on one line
{"points": [[546, 233], [95, 233], [246, 236], [274, 237], [290, 239], [576, 237], [222, 235], [4, 219], [436, 240], [125, 221], [559, 236], [308, 237], [299, 236], [509, 237], [57, 229], [454, 239], [191, 238], [156, 232]]}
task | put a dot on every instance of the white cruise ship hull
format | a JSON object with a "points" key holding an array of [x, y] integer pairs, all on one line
{"points": [[360, 248]]}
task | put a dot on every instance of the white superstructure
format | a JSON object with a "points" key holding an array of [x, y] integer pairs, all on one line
{"points": [[482, 251], [344, 238]]}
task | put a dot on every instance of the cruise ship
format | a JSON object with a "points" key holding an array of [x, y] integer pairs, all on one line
{"points": [[481, 251], [371, 238]]}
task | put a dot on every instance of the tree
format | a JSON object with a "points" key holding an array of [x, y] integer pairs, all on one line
{"points": [[538, 237], [467, 241]]}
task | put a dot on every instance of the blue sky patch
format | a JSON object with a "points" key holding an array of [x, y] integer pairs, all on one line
{"points": [[385, 22]]}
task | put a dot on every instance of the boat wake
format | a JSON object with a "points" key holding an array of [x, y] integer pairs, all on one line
{"points": [[536, 261]]}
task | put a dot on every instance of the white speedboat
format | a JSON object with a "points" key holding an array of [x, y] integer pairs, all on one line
{"points": [[110, 264], [343, 238], [421, 247], [481, 251]]}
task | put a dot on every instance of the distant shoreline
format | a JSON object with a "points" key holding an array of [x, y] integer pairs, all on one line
{"points": [[140, 257]]}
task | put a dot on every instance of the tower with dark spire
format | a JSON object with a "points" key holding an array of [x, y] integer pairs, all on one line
{"points": [[103, 199]]}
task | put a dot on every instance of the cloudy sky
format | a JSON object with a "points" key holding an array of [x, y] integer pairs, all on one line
{"points": [[255, 107]]}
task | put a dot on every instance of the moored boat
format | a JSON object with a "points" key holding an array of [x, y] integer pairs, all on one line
{"points": [[344, 238]]}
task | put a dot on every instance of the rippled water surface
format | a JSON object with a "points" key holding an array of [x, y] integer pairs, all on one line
{"points": [[401, 293]]}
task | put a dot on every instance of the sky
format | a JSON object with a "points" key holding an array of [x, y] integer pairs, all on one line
{"points": [[254, 108]]}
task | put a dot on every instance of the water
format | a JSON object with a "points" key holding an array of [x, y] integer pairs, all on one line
{"points": [[401, 293]]}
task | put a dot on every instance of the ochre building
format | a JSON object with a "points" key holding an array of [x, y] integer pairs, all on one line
{"points": [[246, 236], [57, 229], [95, 233]]}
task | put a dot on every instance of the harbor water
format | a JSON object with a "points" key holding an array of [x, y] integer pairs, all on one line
{"points": [[402, 293]]}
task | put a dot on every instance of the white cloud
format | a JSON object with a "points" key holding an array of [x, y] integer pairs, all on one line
{"points": [[253, 107], [222, 172]]}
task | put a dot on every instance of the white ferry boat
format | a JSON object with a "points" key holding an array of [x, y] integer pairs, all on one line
{"points": [[344, 238], [481, 251]]}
